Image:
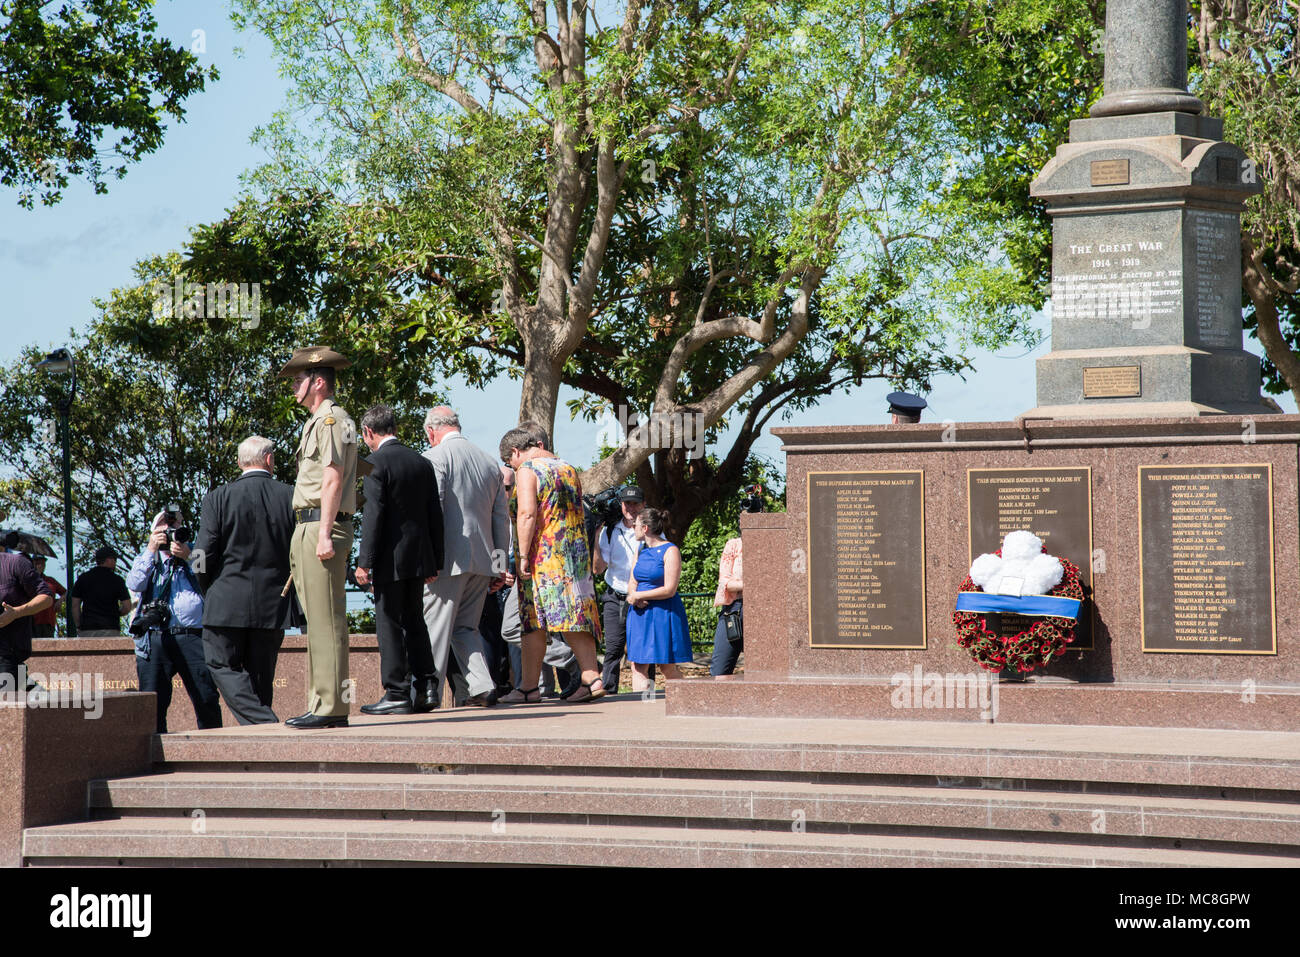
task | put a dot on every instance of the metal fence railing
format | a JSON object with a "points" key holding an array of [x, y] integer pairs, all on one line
{"points": [[703, 618]]}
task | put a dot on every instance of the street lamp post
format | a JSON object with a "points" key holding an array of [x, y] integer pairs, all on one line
{"points": [[61, 362]]}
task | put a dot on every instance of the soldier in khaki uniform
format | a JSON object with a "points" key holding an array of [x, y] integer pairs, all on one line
{"points": [[324, 499]]}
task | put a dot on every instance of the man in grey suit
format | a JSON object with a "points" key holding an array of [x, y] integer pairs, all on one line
{"points": [[476, 525]]}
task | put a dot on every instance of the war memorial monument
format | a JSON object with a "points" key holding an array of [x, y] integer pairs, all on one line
{"points": [[1150, 462]]}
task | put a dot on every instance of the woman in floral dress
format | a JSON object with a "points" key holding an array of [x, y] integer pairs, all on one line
{"points": [[556, 592]]}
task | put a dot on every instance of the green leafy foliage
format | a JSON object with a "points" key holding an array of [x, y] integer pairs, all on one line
{"points": [[1246, 68], [167, 389], [732, 209], [160, 409], [75, 73]]}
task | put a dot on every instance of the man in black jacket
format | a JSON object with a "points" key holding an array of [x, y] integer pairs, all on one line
{"points": [[401, 549], [242, 561], [23, 593]]}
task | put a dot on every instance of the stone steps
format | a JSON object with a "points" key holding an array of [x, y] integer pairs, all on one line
{"points": [[354, 749], [772, 805], [622, 783], [172, 841]]}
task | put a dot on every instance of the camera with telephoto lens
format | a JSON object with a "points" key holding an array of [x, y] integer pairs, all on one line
{"points": [[753, 500], [181, 533], [152, 615]]}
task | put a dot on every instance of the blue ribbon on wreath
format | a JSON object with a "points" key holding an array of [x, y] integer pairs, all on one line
{"points": [[1044, 606]]}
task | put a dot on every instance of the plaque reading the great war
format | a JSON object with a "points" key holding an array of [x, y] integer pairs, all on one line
{"points": [[866, 559], [1207, 558], [1053, 503]]}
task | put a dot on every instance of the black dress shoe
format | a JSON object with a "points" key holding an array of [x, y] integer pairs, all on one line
{"points": [[485, 700], [426, 695], [318, 721], [387, 705]]}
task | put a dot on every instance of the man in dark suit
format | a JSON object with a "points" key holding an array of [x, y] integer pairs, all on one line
{"points": [[401, 550], [241, 559]]}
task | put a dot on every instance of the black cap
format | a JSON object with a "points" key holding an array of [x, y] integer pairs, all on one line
{"points": [[904, 403], [104, 553], [631, 493]]}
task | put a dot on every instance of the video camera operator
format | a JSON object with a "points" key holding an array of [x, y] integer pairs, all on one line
{"points": [[168, 626]]}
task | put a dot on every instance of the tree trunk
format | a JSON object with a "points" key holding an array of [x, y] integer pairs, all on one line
{"points": [[540, 392], [1267, 328]]}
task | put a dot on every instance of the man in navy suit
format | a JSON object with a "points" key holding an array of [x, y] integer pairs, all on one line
{"points": [[401, 550], [241, 558]]}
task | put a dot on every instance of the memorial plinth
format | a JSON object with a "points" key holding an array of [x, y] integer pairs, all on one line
{"points": [[1185, 529]]}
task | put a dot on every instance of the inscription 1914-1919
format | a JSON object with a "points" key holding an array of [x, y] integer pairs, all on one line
{"points": [[1053, 503], [1207, 558], [866, 559]]}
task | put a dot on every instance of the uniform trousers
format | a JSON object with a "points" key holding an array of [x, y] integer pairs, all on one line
{"points": [[242, 662], [320, 586], [453, 605]]}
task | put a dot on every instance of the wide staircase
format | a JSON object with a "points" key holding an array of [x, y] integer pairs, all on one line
{"points": [[619, 783]]}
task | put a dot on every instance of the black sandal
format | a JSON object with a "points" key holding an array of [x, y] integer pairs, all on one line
{"points": [[591, 694], [525, 697]]}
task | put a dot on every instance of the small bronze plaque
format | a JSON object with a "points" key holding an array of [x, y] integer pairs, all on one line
{"points": [[1226, 169], [1053, 503], [1110, 382], [1110, 172], [866, 559], [1206, 546]]}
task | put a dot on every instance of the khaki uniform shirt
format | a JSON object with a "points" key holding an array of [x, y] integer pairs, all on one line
{"points": [[328, 438]]}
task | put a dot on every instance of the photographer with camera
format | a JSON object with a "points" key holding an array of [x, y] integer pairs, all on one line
{"points": [[614, 556], [168, 627]]}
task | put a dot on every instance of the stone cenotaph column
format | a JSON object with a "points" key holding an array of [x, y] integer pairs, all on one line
{"points": [[1146, 203]]}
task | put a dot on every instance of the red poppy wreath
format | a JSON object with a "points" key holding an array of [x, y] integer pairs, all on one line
{"points": [[1019, 578]]}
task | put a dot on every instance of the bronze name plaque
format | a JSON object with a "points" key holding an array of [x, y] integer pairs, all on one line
{"points": [[1053, 503], [866, 559], [1109, 172], [1207, 558], [1111, 382]]}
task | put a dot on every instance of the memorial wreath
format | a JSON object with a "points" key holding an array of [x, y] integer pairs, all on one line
{"points": [[1020, 578]]}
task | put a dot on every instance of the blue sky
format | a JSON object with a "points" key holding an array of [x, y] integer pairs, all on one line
{"points": [[55, 260]]}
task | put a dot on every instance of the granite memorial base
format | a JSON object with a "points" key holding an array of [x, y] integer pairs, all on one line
{"points": [[114, 660], [48, 756], [1184, 531]]}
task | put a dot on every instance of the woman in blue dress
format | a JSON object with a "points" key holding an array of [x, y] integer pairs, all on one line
{"points": [[657, 630]]}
